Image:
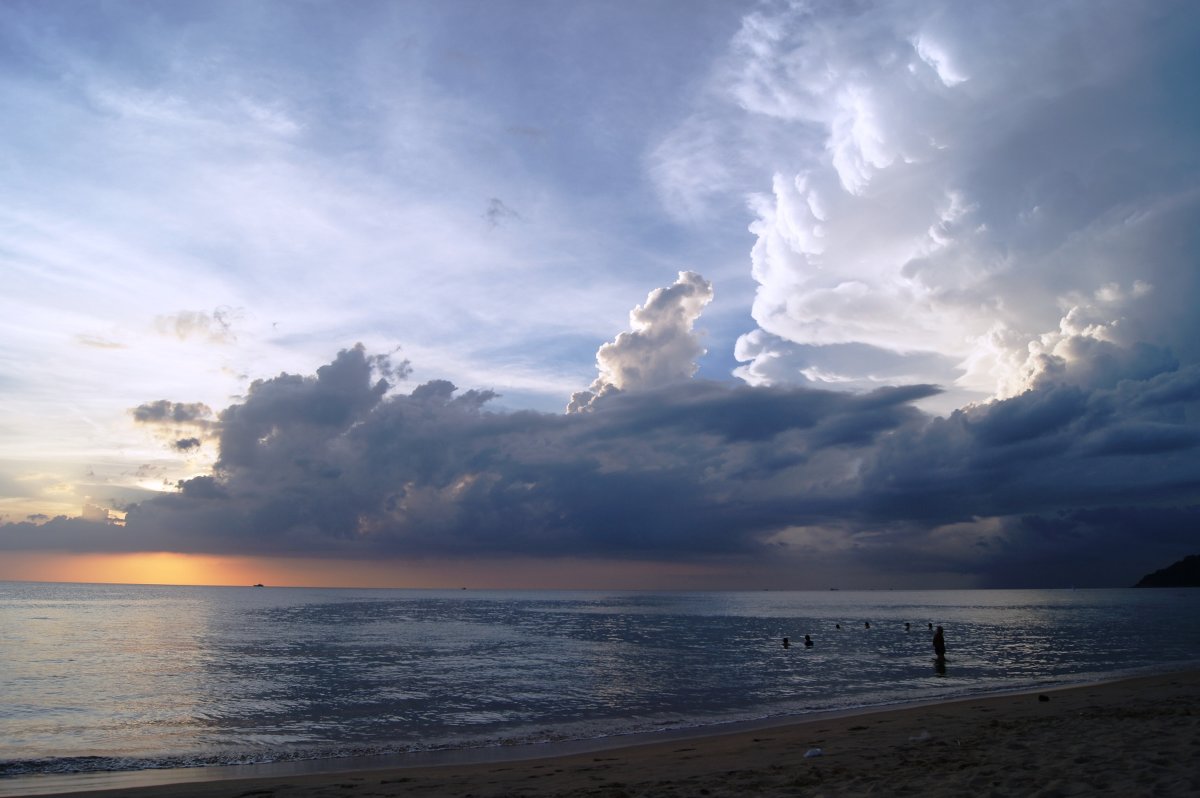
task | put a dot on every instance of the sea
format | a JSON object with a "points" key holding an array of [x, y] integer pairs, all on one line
{"points": [[117, 678]]}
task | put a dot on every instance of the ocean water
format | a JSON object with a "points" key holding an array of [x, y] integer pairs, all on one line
{"points": [[118, 678]]}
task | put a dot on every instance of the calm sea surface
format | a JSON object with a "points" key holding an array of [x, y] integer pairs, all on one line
{"points": [[112, 677]]}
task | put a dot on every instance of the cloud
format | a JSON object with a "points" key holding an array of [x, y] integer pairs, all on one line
{"points": [[271, 201], [97, 342], [164, 411], [216, 327], [332, 465], [661, 346], [769, 360], [497, 213], [181, 426], [339, 464], [955, 187], [990, 209], [95, 514]]}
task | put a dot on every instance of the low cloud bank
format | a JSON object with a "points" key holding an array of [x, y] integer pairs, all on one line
{"points": [[1099, 472]]}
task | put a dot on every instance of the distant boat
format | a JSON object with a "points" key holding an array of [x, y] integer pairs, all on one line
{"points": [[260, 584]]}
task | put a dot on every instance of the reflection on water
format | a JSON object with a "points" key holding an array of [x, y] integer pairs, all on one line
{"points": [[140, 676], [95, 665]]}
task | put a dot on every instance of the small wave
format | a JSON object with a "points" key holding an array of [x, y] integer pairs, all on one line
{"points": [[106, 764]]}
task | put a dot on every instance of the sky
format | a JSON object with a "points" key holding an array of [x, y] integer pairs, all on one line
{"points": [[695, 295]]}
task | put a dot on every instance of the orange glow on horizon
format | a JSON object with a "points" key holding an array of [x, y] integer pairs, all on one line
{"points": [[169, 568], [140, 568]]}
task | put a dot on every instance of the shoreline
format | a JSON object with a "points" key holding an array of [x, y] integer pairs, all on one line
{"points": [[1146, 728]]}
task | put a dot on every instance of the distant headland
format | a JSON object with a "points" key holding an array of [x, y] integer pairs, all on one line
{"points": [[1185, 573]]}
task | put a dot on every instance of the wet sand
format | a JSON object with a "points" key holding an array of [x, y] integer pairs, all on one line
{"points": [[1136, 737]]}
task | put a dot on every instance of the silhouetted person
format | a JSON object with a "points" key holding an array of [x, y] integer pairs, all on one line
{"points": [[839, 626], [807, 641], [786, 643], [939, 645], [866, 624], [907, 626], [931, 627]]}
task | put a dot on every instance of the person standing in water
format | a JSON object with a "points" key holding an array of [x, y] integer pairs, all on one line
{"points": [[939, 645]]}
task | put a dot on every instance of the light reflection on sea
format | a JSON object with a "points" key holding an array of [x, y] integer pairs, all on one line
{"points": [[101, 677]]}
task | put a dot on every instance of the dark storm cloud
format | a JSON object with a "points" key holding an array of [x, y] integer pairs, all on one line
{"points": [[289, 415], [335, 464], [1099, 542], [1058, 446], [757, 415], [330, 464]]}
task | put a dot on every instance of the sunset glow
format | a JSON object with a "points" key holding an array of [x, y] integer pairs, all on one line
{"points": [[143, 568], [168, 568]]}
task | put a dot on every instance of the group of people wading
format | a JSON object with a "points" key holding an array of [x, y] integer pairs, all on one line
{"points": [[939, 644]]}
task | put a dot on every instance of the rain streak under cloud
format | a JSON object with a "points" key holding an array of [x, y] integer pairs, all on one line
{"points": [[967, 355]]}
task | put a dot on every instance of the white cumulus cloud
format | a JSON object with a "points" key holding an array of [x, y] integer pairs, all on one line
{"points": [[660, 347], [964, 184]]}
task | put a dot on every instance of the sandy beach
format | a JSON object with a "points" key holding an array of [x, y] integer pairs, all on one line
{"points": [[1131, 738]]}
